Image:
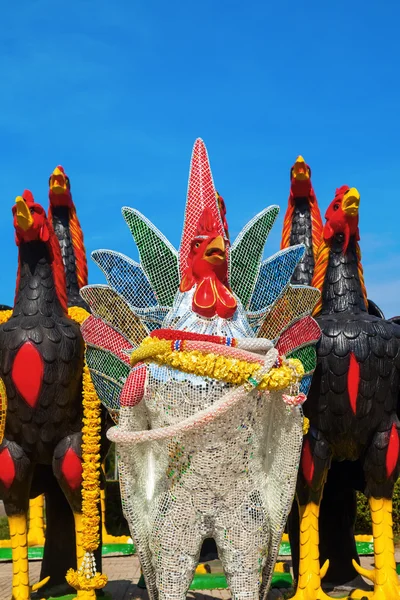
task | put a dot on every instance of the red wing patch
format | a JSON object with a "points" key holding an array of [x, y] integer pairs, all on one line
{"points": [[307, 463], [7, 468], [72, 469], [392, 455], [353, 381], [27, 373]]}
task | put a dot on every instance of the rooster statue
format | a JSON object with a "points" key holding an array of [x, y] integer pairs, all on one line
{"points": [[62, 213], [200, 357], [351, 403], [303, 224], [41, 364]]}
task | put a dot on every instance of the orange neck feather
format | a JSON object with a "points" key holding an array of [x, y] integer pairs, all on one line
{"points": [[77, 244], [316, 223]]}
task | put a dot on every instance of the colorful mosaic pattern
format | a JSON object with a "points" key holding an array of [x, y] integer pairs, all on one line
{"points": [[246, 253], [296, 303], [109, 306], [126, 278], [307, 356], [274, 277], [200, 457], [157, 256]]}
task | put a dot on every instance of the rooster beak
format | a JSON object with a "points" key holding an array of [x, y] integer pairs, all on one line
{"points": [[58, 183], [300, 170], [23, 214], [351, 202], [215, 251]]}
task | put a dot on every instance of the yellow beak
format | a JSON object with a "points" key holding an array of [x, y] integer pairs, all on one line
{"points": [[24, 217], [351, 202], [57, 181], [300, 171], [215, 251]]}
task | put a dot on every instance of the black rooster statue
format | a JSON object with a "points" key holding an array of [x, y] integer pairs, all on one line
{"points": [[63, 216], [41, 365], [303, 225], [351, 403]]}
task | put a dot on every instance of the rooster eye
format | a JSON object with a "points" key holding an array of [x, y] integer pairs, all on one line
{"points": [[197, 245], [335, 206], [32, 210]]}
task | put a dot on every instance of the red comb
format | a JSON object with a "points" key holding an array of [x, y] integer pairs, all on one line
{"points": [[28, 197]]}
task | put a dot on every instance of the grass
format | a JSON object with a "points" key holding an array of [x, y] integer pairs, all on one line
{"points": [[4, 531]]}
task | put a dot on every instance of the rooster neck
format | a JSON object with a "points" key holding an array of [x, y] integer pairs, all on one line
{"points": [[342, 291], [62, 231], [36, 290], [301, 233]]}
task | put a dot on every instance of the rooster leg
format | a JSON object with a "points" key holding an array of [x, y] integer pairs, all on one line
{"points": [[381, 471], [19, 544], [315, 463], [384, 576], [36, 526], [67, 467], [16, 472]]}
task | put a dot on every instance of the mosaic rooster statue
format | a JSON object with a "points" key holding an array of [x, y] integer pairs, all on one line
{"points": [[201, 357]]}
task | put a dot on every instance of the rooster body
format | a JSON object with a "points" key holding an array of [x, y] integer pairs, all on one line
{"points": [[62, 213], [41, 364], [351, 403], [303, 224], [202, 482]]}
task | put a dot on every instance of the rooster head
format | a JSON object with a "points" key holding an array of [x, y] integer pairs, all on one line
{"points": [[208, 270], [59, 188], [342, 215], [30, 220], [300, 179]]}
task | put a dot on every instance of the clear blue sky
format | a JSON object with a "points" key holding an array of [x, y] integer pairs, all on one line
{"points": [[118, 91]]}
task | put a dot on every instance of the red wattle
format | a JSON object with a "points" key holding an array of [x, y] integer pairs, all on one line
{"points": [[226, 302], [204, 298]]}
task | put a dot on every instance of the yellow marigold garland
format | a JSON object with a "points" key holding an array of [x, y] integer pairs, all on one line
{"points": [[5, 315], [78, 314], [3, 409], [86, 579], [230, 370]]}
